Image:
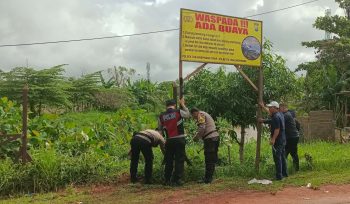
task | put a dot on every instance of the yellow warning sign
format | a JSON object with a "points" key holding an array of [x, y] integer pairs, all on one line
{"points": [[213, 38]]}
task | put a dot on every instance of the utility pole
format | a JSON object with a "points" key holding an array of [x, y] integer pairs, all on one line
{"points": [[148, 68]]}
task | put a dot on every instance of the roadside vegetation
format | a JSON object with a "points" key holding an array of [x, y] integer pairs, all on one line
{"points": [[80, 128]]}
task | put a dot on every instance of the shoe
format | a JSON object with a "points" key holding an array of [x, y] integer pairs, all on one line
{"points": [[148, 182], [133, 180], [297, 168], [178, 183], [166, 183], [278, 179], [201, 181], [206, 181]]}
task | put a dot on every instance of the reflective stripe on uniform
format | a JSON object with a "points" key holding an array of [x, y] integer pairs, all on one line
{"points": [[179, 122], [144, 137], [179, 136]]}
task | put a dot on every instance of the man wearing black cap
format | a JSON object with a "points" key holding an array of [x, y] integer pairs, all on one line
{"points": [[171, 122]]}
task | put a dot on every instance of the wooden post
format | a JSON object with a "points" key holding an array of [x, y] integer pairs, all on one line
{"points": [[175, 92], [181, 81], [23, 151], [259, 115]]}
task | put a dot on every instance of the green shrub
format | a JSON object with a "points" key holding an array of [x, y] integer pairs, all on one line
{"points": [[92, 147]]}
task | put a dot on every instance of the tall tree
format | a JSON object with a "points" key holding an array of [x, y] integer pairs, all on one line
{"points": [[330, 73], [121, 75], [151, 95], [47, 87], [227, 94], [82, 90]]}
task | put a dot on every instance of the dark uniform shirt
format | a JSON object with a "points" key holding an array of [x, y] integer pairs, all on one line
{"points": [[297, 124], [277, 122], [291, 129]]}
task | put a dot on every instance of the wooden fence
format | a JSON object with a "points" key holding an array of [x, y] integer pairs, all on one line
{"points": [[23, 155], [319, 125]]}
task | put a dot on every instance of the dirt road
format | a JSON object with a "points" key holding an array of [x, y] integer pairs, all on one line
{"points": [[330, 194]]}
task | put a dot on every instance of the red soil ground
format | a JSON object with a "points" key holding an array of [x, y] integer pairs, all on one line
{"points": [[330, 194]]}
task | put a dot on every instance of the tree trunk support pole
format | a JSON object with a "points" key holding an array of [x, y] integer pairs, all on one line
{"points": [[259, 115], [258, 89], [239, 68]]}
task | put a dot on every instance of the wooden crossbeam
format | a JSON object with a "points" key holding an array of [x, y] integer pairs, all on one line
{"points": [[239, 68], [198, 69]]}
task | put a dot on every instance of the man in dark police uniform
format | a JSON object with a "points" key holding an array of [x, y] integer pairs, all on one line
{"points": [[171, 122]]}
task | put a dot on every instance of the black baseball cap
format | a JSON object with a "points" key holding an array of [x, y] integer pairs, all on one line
{"points": [[170, 102]]}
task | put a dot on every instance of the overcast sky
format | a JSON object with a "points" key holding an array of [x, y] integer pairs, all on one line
{"points": [[25, 21]]}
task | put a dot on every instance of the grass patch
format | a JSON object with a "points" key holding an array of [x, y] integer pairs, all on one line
{"points": [[330, 165], [130, 194]]}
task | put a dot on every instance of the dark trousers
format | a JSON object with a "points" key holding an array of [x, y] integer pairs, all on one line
{"points": [[211, 147], [279, 158], [141, 145], [174, 151], [292, 149]]}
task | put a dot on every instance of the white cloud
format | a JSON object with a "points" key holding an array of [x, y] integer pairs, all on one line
{"points": [[294, 58], [149, 3], [42, 20], [259, 3], [162, 1]]}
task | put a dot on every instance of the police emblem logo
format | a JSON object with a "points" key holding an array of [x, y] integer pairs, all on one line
{"points": [[256, 27], [169, 116], [187, 19], [201, 119]]}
